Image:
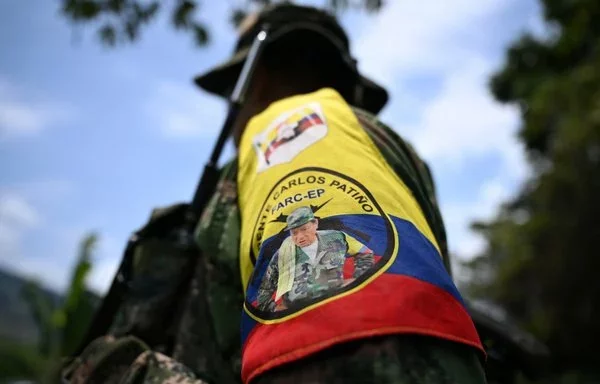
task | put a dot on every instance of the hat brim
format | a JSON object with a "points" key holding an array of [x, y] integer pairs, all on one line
{"points": [[221, 80], [288, 228]]}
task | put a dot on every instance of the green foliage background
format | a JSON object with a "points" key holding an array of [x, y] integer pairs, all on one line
{"points": [[61, 326], [541, 261], [122, 21]]}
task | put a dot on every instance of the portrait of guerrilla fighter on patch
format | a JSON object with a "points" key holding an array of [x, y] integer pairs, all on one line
{"points": [[310, 263]]}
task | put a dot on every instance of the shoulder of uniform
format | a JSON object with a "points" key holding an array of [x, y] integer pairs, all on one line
{"points": [[382, 132], [364, 116], [414, 170], [369, 120], [229, 169], [373, 125], [389, 141], [162, 219], [230, 164]]}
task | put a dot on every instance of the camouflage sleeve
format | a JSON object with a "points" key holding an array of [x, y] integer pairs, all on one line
{"points": [[125, 360], [268, 286], [156, 368], [363, 256]]}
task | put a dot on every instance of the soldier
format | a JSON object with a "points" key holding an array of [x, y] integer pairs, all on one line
{"points": [[401, 320], [313, 262]]}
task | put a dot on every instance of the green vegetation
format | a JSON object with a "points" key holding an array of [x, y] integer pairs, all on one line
{"points": [[60, 325], [541, 260], [122, 21]]}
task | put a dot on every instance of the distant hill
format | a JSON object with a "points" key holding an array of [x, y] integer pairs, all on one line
{"points": [[16, 320]]}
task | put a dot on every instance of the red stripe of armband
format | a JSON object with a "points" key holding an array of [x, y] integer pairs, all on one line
{"points": [[392, 304]]}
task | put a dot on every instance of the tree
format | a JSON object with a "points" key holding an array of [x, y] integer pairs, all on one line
{"points": [[540, 262], [122, 21]]}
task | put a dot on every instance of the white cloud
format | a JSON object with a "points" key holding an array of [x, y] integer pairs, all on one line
{"points": [[458, 128], [463, 122], [414, 36], [9, 242], [21, 207], [15, 211], [21, 220], [17, 216], [458, 216], [465, 244], [22, 113], [185, 112], [102, 275], [53, 269], [43, 191]]}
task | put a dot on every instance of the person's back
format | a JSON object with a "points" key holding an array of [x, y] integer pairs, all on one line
{"points": [[304, 142], [334, 167]]}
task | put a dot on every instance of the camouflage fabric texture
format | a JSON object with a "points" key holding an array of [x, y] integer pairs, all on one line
{"points": [[208, 338], [152, 297], [126, 360], [200, 320], [322, 276], [299, 217], [385, 360]]}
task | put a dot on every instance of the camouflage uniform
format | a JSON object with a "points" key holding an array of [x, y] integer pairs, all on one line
{"points": [[399, 359], [201, 320], [208, 336], [402, 359], [127, 360], [386, 360]]}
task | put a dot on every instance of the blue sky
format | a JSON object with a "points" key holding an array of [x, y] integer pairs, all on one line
{"points": [[93, 139]]}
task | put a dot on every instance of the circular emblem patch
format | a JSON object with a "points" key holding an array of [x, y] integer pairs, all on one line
{"points": [[319, 234]]}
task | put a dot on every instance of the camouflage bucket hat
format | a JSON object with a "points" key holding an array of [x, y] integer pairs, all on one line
{"points": [[299, 217], [283, 19]]}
